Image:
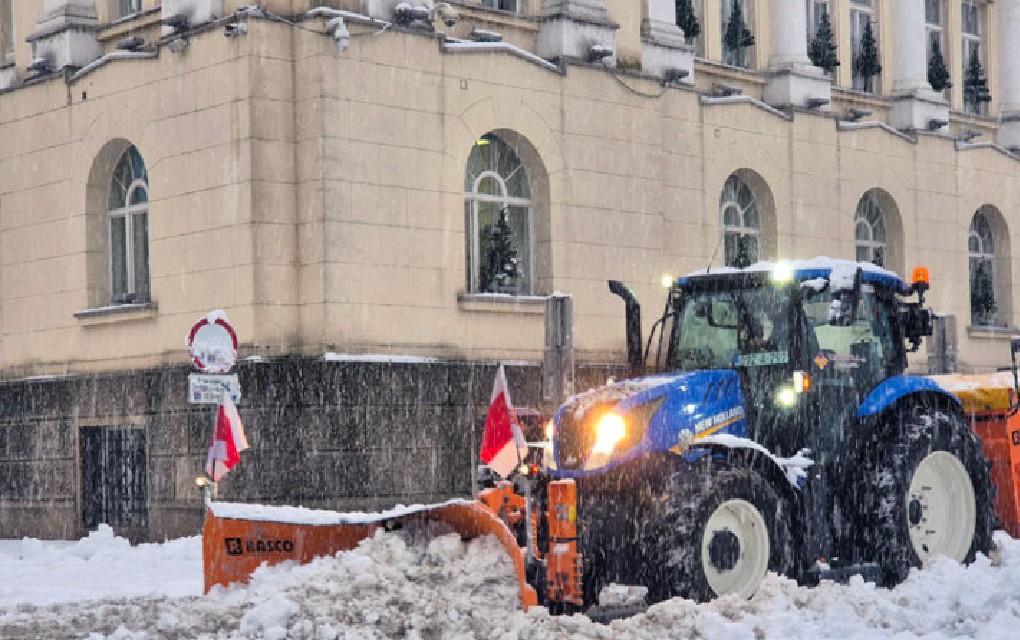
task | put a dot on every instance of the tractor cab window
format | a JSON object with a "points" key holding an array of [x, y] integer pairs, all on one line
{"points": [[744, 328], [858, 353]]}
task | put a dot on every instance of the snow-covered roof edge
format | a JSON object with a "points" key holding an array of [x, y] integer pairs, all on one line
{"points": [[742, 99], [843, 125], [451, 45], [974, 146], [113, 55]]}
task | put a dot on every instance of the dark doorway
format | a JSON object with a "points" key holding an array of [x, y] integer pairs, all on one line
{"points": [[113, 480]]}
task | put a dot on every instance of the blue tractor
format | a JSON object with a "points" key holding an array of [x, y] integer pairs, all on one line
{"points": [[779, 432]]}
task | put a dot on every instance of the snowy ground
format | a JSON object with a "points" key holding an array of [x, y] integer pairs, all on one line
{"points": [[403, 587]]}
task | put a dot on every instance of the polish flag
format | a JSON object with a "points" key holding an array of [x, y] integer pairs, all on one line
{"points": [[503, 443], [228, 440]]}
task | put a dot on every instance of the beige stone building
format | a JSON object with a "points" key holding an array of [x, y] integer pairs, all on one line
{"points": [[333, 174], [331, 191]]}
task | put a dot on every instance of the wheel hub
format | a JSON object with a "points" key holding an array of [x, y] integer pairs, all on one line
{"points": [[724, 550], [915, 512], [735, 549]]}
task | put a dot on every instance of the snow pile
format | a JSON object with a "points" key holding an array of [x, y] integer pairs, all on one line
{"points": [[99, 566], [411, 584], [417, 586]]}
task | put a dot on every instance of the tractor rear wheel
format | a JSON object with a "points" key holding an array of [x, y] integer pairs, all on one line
{"points": [[925, 491], [721, 530]]}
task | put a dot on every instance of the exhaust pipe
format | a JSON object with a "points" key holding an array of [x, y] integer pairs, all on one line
{"points": [[635, 358]]}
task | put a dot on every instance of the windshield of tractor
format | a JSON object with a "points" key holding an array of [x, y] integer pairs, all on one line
{"points": [[740, 327], [861, 353]]}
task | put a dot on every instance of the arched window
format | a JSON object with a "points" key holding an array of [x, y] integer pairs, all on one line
{"points": [[981, 254], [869, 231], [740, 223], [128, 209], [498, 205]]}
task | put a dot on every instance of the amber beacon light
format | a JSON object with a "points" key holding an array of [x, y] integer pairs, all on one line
{"points": [[920, 276]]}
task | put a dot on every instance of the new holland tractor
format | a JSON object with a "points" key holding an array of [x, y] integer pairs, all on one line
{"points": [[782, 435], [776, 431]]}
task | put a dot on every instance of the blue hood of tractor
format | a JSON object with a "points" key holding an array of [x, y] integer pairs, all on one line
{"points": [[659, 412]]}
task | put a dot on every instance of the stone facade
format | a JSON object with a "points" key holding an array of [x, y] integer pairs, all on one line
{"points": [[318, 195], [348, 435]]}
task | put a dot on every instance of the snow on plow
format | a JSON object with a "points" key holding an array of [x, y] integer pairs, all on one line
{"points": [[238, 538]]}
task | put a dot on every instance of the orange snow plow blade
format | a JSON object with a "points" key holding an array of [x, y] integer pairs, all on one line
{"points": [[238, 538]]}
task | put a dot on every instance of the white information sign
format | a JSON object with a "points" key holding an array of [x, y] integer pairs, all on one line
{"points": [[208, 389]]}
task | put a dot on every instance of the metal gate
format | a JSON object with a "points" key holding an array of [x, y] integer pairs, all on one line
{"points": [[113, 480]]}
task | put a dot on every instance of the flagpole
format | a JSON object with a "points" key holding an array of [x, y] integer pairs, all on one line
{"points": [[471, 427], [213, 485]]}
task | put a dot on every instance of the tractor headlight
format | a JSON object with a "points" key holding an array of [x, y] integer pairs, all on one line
{"points": [[609, 431], [786, 397]]}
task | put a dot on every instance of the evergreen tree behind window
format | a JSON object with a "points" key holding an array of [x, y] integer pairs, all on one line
{"points": [[864, 46], [501, 271], [981, 253], [740, 222], [822, 49], [938, 74], [736, 36], [975, 85], [498, 208], [687, 20], [866, 64]]}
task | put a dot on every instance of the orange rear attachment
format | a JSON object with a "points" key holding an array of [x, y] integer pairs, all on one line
{"points": [[1000, 437], [235, 544], [987, 400]]}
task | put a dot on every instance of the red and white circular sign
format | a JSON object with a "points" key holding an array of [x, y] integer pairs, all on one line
{"points": [[212, 344]]}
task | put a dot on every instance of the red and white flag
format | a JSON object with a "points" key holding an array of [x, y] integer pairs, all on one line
{"points": [[503, 443], [228, 440]]}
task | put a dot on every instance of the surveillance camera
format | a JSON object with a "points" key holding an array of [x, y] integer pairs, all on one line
{"points": [[341, 35], [446, 13], [235, 29]]}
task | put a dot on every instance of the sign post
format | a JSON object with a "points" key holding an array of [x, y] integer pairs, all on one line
{"points": [[212, 347]]}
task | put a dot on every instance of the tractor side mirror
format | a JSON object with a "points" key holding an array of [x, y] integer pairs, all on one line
{"points": [[917, 321]]}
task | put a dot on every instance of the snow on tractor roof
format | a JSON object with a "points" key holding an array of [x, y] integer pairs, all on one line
{"points": [[840, 273]]}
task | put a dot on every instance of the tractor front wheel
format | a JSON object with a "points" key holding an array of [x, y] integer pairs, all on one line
{"points": [[721, 531]]}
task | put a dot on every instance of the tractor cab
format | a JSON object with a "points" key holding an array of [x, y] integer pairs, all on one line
{"points": [[812, 338]]}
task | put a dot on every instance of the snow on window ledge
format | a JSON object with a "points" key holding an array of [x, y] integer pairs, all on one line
{"points": [[116, 313], [501, 303]]}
